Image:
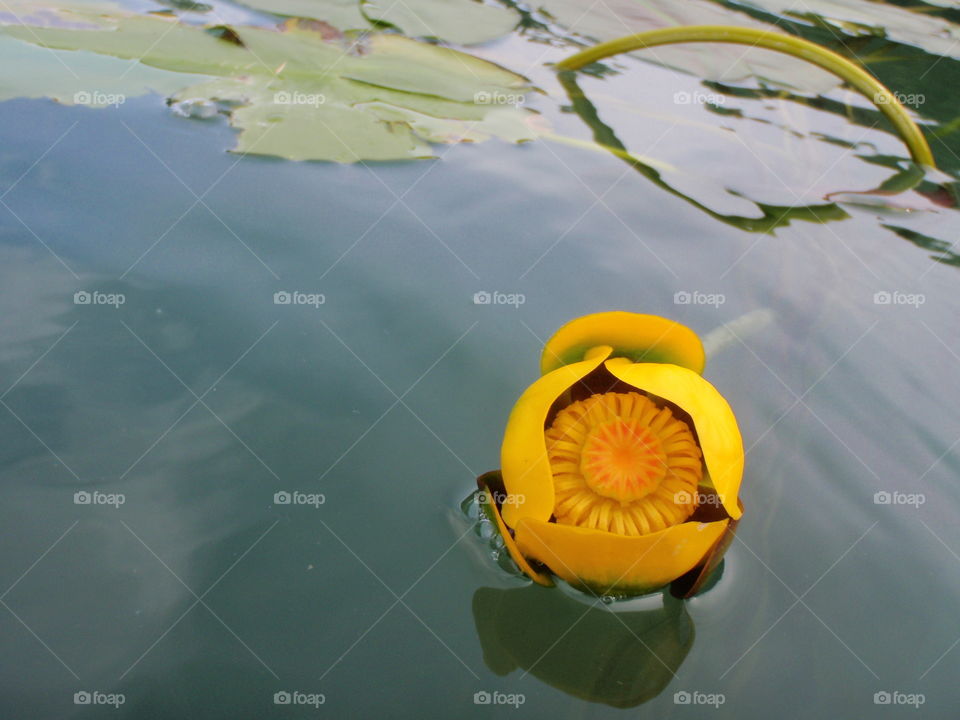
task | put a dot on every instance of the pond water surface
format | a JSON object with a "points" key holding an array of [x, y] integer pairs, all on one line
{"points": [[199, 399]]}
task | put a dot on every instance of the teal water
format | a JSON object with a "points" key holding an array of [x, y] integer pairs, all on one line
{"points": [[199, 398]]}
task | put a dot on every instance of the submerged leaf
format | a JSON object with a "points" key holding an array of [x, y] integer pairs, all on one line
{"points": [[306, 92]]}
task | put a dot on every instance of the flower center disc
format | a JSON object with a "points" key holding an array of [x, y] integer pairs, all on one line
{"points": [[622, 464], [623, 460]]}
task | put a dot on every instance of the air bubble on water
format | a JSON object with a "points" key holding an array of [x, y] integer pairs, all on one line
{"points": [[470, 508], [196, 108], [487, 530]]}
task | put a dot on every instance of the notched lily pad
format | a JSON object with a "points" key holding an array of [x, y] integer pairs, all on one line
{"points": [[309, 92], [225, 33], [466, 22]]}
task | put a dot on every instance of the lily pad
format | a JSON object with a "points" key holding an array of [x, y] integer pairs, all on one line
{"points": [[459, 21], [342, 14], [466, 22], [306, 92], [93, 80]]}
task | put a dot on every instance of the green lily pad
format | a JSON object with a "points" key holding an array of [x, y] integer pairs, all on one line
{"points": [[306, 91], [95, 80], [459, 21], [465, 22], [342, 14]]}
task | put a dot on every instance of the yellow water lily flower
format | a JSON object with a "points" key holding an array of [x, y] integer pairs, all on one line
{"points": [[621, 465]]}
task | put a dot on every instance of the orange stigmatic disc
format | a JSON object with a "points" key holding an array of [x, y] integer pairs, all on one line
{"points": [[623, 464]]}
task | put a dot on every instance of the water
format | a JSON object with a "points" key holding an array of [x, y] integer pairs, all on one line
{"points": [[199, 398]]}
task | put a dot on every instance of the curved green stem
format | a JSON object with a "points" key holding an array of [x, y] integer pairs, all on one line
{"points": [[853, 74]]}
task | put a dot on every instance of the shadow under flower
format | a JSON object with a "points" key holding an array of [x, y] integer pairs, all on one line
{"points": [[619, 658]]}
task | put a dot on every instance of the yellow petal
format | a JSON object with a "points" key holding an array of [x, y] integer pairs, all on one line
{"points": [[606, 562], [523, 457], [641, 338], [712, 417], [510, 544]]}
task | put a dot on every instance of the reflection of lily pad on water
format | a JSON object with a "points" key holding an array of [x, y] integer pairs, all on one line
{"points": [[706, 194], [621, 659], [944, 251], [769, 187], [915, 27], [746, 183], [307, 92]]}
